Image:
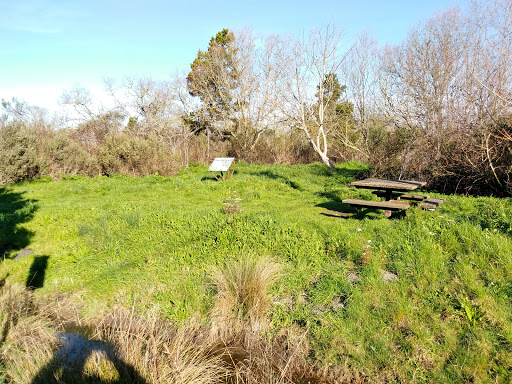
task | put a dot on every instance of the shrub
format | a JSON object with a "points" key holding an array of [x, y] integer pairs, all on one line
{"points": [[132, 155], [62, 156], [18, 158]]}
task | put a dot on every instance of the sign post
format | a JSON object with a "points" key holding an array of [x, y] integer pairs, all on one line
{"points": [[222, 164]]}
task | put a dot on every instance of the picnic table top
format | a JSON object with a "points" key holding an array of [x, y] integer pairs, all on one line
{"points": [[394, 185]]}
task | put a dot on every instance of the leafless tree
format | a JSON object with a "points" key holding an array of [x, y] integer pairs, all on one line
{"points": [[20, 110], [491, 22], [419, 76], [359, 74], [311, 58]]}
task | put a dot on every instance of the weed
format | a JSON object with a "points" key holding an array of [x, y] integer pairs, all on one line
{"points": [[28, 340], [232, 204], [473, 313]]}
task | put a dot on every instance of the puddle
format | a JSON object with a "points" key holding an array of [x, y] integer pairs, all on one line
{"points": [[78, 344]]}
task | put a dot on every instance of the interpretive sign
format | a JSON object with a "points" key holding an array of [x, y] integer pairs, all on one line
{"points": [[222, 164]]}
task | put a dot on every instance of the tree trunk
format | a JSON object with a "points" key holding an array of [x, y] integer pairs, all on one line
{"points": [[327, 161]]}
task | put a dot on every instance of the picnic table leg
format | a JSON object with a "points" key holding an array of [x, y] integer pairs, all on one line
{"points": [[389, 194], [387, 213]]}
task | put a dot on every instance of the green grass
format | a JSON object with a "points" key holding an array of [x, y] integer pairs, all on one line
{"points": [[152, 241]]}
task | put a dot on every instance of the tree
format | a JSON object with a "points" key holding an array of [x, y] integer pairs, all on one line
{"points": [[213, 77], [338, 114], [492, 23], [310, 91], [20, 110], [420, 78], [360, 78], [237, 84]]}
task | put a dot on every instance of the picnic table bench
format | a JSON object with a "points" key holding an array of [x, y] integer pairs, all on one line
{"points": [[402, 195], [391, 205]]}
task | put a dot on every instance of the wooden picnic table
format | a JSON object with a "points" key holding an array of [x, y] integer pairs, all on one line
{"points": [[388, 185], [387, 189]]}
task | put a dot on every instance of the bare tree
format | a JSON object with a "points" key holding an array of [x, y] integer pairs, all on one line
{"points": [[359, 72], [257, 95], [418, 80], [311, 58], [80, 100], [491, 57], [20, 110]]}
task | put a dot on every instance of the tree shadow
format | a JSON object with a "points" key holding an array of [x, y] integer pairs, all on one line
{"points": [[210, 177], [37, 272], [345, 211], [274, 176], [14, 211], [331, 195], [68, 363]]}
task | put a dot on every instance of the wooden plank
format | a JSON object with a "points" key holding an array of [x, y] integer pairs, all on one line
{"points": [[388, 205], [400, 195], [431, 204], [435, 200], [396, 185]]}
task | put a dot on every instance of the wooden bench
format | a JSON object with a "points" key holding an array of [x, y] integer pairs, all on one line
{"points": [[388, 206], [402, 195], [431, 204]]}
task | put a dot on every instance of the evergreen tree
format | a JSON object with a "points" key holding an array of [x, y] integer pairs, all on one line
{"points": [[214, 78]]}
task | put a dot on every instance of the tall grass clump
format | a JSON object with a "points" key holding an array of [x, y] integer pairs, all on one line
{"points": [[27, 340], [242, 287], [118, 346], [240, 328], [160, 352]]}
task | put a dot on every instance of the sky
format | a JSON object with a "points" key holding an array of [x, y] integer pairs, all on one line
{"points": [[49, 46]]}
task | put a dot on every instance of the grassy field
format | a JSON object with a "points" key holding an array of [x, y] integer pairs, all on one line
{"points": [[444, 313]]}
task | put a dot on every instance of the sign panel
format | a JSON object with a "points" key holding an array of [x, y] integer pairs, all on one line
{"points": [[221, 164]]}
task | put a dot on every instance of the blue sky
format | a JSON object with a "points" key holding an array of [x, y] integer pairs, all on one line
{"points": [[47, 46]]}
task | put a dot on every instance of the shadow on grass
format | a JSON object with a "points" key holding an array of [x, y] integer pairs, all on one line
{"points": [[331, 195], [229, 177], [345, 211], [37, 272], [14, 211], [274, 176], [69, 362]]}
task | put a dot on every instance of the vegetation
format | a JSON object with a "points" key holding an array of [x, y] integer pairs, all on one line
{"points": [[423, 297], [435, 107], [259, 278]]}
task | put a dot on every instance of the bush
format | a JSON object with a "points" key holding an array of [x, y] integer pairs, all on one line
{"points": [[62, 156], [131, 155], [18, 158]]}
